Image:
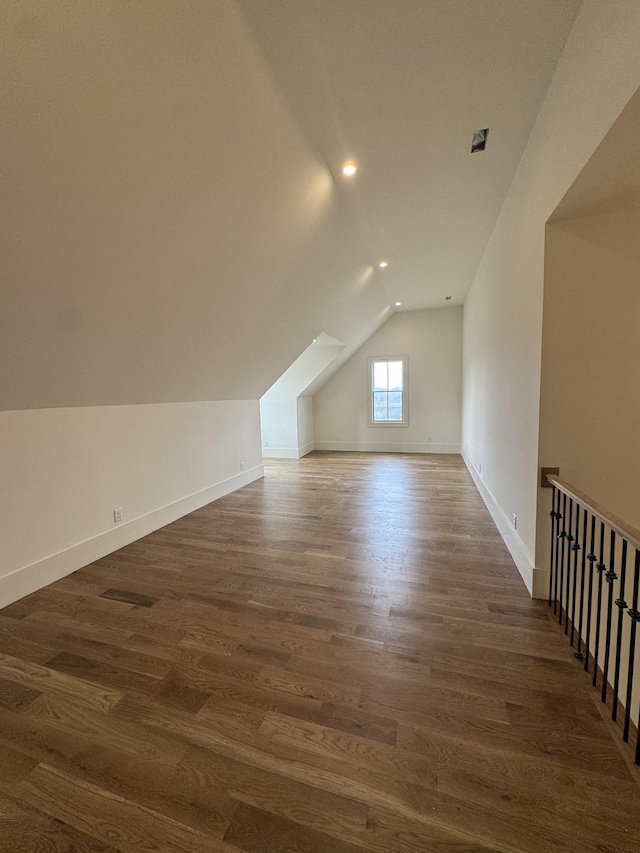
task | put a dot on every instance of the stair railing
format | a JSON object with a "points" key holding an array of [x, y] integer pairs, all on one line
{"points": [[594, 586]]}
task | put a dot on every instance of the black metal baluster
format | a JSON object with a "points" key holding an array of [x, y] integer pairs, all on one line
{"points": [[610, 577], [621, 605], [557, 573], [564, 579], [555, 498], [592, 559], [578, 653], [635, 618], [562, 535], [575, 547], [600, 567], [569, 550]]}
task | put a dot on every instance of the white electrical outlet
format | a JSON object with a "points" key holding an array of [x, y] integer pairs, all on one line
{"points": [[242, 466], [515, 521], [117, 515]]}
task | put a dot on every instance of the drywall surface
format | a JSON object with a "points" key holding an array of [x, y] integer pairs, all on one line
{"points": [[285, 424], [402, 85], [64, 471], [432, 341], [162, 211], [597, 74], [306, 434], [589, 401], [279, 425]]}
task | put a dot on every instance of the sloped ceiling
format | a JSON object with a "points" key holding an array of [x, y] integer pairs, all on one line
{"points": [[174, 224], [610, 181], [400, 87]]}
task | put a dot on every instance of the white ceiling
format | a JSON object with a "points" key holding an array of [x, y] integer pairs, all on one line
{"points": [[173, 221], [400, 87]]}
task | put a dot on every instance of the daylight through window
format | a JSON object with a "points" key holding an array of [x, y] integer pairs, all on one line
{"points": [[388, 404]]}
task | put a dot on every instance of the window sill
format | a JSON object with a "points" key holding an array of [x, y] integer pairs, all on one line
{"points": [[401, 425]]}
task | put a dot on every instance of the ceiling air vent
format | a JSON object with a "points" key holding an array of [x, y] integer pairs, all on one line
{"points": [[479, 141]]}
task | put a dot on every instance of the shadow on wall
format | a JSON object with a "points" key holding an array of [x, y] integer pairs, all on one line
{"points": [[286, 414], [589, 403]]}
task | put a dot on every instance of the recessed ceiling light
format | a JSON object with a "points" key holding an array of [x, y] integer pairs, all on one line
{"points": [[349, 169], [398, 304], [314, 340], [383, 265]]}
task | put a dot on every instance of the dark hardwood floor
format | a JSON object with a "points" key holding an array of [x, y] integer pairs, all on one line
{"points": [[335, 659]]}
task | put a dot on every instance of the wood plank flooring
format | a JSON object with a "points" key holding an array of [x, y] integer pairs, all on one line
{"points": [[335, 659]]}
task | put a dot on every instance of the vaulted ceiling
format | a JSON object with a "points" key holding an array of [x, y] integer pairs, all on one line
{"points": [[175, 224], [400, 87]]}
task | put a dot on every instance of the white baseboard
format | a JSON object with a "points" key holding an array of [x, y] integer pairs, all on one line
{"points": [[287, 452], [536, 580], [280, 453], [540, 586], [28, 579], [388, 447]]}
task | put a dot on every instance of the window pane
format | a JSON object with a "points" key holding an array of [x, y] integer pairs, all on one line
{"points": [[380, 376], [395, 405], [395, 375], [387, 399], [380, 406]]}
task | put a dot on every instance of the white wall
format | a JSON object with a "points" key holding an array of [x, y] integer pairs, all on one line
{"points": [[590, 406], [306, 433], [432, 340], [589, 402], [279, 425], [167, 233], [64, 471], [597, 74], [286, 423]]}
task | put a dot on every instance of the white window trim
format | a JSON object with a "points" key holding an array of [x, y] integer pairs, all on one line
{"points": [[405, 391]]}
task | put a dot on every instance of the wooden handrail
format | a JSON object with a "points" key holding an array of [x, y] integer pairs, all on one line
{"points": [[631, 534]]}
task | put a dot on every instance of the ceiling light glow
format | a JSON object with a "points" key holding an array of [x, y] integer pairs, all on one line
{"points": [[383, 265], [398, 304], [349, 169]]}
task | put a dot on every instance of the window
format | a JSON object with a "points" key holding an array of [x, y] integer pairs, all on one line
{"points": [[388, 404]]}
